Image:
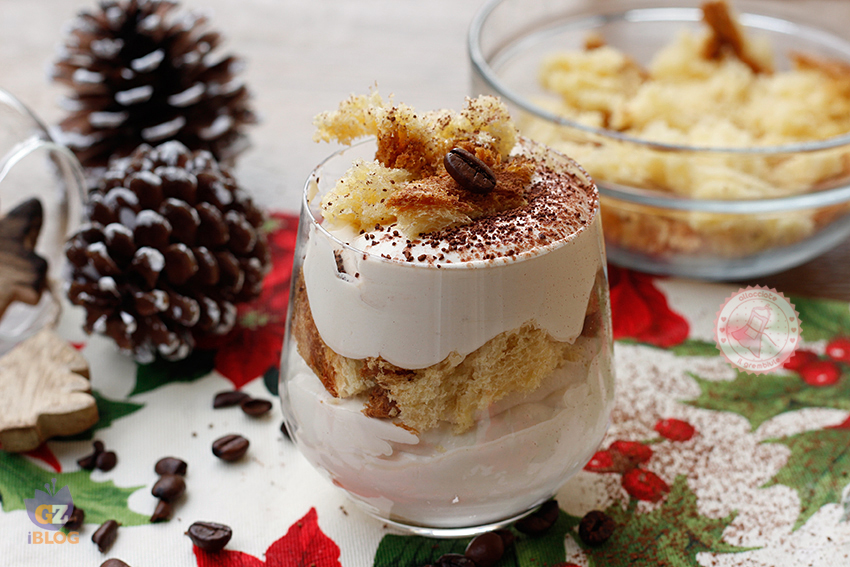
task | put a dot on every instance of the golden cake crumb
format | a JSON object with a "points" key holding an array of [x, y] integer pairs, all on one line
{"points": [[726, 33], [407, 183]]}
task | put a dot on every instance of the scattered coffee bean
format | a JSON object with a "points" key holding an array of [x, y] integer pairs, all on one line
{"points": [[88, 463], [255, 407], [285, 431], [539, 521], [230, 447], [113, 563], [486, 549], [454, 560], [169, 487], [209, 536], [162, 512], [228, 399], [105, 535], [106, 461], [470, 172], [507, 536], [75, 521], [596, 528], [170, 465]]}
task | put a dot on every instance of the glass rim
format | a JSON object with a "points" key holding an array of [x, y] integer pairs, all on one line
{"points": [[657, 199], [44, 141], [11, 100], [747, 207], [315, 175]]}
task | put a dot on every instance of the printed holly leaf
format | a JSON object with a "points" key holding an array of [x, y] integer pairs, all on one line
{"points": [[546, 549], [415, 551], [639, 310], [249, 353], [763, 397], [161, 372], [695, 347], [690, 347], [304, 545], [822, 319], [101, 501], [818, 469], [225, 558], [109, 411], [671, 535]]}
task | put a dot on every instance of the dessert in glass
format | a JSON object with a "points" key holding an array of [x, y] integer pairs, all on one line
{"points": [[447, 361]]}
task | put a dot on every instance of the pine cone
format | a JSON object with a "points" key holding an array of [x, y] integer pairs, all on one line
{"points": [[142, 73], [171, 245]]}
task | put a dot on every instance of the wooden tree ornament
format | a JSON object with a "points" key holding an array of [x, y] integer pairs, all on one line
{"points": [[23, 273], [44, 392]]}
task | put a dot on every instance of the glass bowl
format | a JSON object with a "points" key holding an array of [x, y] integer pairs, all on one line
{"points": [[34, 166], [517, 450], [736, 234]]}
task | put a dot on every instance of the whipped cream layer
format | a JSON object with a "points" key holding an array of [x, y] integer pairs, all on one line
{"points": [[413, 303], [521, 451]]}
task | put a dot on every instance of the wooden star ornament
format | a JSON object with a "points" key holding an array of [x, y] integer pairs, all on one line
{"points": [[44, 392], [23, 273]]}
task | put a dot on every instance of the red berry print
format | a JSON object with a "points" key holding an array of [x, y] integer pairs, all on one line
{"points": [[839, 349], [675, 429], [820, 373], [645, 485], [600, 462], [635, 453], [799, 359], [620, 457]]}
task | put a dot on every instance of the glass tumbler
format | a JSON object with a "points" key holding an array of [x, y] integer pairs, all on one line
{"points": [[34, 166], [530, 331]]}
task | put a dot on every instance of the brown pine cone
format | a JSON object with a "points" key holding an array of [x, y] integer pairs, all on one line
{"points": [[143, 72], [171, 245]]}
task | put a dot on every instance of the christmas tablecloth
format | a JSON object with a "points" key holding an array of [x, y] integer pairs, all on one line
{"points": [[702, 465]]}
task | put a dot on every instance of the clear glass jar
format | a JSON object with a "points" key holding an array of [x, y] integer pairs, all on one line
{"points": [[494, 317], [34, 166]]}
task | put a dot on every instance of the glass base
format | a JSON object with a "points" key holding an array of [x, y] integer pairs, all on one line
{"points": [[21, 321], [447, 533], [715, 268]]}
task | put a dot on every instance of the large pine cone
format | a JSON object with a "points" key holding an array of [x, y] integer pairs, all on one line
{"points": [[172, 245], [142, 74]]}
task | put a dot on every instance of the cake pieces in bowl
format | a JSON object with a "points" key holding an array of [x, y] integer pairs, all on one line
{"points": [[720, 141]]}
